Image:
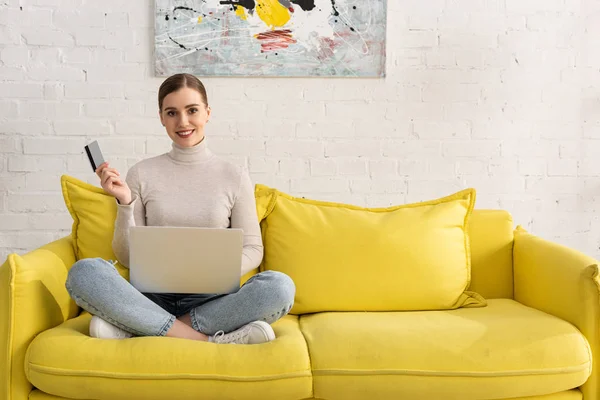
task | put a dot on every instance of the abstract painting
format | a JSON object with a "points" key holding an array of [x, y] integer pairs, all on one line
{"points": [[340, 38]]}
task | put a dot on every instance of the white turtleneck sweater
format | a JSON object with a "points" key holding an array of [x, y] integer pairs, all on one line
{"points": [[190, 187]]}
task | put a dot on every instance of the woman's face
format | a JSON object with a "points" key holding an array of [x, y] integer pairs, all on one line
{"points": [[184, 115]]}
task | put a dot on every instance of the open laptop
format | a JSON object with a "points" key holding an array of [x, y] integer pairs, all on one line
{"points": [[185, 259]]}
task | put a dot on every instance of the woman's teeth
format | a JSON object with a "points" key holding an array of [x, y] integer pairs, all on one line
{"points": [[185, 133]]}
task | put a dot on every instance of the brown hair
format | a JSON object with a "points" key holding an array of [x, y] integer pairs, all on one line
{"points": [[178, 81]]}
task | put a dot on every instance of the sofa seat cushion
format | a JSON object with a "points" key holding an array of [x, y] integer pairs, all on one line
{"points": [[503, 350], [65, 361]]}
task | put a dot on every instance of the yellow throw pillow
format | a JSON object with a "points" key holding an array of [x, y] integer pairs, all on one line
{"points": [[94, 212], [350, 258]]}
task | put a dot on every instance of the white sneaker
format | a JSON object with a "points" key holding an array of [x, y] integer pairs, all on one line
{"points": [[253, 333], [101, 329]]}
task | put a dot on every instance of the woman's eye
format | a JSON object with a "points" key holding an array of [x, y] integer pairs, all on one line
{"points": [[193, 110], [171, 113]]}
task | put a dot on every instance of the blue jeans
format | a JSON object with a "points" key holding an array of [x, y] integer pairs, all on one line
{"points": [[97, 287]]}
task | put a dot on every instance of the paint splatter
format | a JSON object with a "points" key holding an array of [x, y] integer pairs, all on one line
{"points": [[247, 4], [305, 5], [337, 14], [241, 12], [184, 8], [275, 40], [167, 18], [335, 11], [326, 49], [177, 43], [272, 13]]}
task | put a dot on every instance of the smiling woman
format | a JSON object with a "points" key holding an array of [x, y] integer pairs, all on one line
{"points": [[183, 109], [188, 186]]}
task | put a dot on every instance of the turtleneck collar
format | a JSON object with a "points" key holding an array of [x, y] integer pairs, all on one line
{"points": [[190, 155]]}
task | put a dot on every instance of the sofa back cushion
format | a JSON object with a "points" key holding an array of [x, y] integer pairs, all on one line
{"points": [[491, 235], [349, 258]]}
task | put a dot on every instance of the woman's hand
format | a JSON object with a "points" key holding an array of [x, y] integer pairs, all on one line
{"points": [[110, 180]]}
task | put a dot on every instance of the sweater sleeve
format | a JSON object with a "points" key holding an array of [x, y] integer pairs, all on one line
{"points": [[243, 215], [133, 214]]}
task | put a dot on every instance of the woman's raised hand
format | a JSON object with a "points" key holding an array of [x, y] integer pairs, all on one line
{"points": [[111, 182]]}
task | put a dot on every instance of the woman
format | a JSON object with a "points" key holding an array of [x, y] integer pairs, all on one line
{"points": [[188, 186]]}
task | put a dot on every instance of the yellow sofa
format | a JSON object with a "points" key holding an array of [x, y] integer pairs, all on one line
{"points": [[535, 339]]}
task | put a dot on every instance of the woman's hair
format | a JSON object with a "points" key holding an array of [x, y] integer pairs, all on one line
{"points": [[178, 81]]}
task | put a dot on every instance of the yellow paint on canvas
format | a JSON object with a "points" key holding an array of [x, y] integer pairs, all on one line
{"points": [[272, 13], [199, 19], [241, 12]]}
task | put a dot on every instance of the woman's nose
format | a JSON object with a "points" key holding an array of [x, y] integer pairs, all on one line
{"points": [[183, 120]]}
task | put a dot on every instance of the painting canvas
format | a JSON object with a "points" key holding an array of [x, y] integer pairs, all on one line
{"points": [[341, 38]]}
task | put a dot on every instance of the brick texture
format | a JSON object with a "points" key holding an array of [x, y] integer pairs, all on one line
{"points": [[500, 95]]}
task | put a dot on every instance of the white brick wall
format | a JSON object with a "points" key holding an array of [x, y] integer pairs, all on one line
{"points": [[501, 95]]}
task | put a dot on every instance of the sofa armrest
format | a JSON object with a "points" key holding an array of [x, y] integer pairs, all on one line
{"points": [[33, 298], [562, 282]]}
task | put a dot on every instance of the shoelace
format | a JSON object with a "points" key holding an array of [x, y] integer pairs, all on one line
{"points": [[233, 337]]}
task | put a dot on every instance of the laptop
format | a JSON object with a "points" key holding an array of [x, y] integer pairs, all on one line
{"points": [[188, 260]]}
